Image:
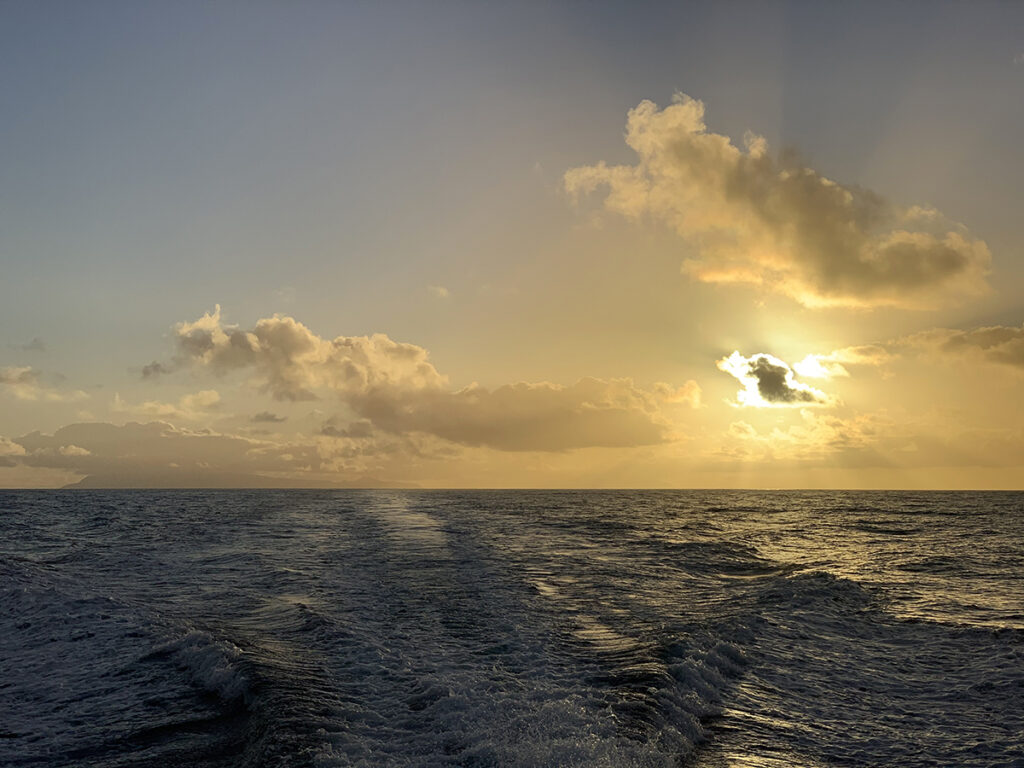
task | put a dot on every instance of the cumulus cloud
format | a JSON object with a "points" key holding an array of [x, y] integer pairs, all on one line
{"points": [[776, 224], [290, 361], [996, 344], [769, 382], [394, 386], [26, 383]]}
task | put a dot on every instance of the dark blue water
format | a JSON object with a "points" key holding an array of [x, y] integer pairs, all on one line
{"points": [[362, 628]]}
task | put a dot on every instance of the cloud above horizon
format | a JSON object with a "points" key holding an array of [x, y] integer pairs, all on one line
{"points": [[26, 383], [999, 344], [779, 225], [135, 453], [396, 388], [769, 382], [190, 407], [834, 363]]}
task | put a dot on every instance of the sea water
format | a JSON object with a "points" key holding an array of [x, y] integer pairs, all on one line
{"points": [[507, 628]]}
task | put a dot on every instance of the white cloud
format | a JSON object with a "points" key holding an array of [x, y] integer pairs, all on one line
{"points": [[833, 364], [768, 382]]}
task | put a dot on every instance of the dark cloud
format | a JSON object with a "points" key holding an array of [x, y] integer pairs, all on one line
{"points": [[266, 417], [155, 369], [773, 384], [356, 430], [768, 381]]}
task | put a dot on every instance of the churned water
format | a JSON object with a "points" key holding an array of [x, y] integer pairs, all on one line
{"points": [[384, 628]]}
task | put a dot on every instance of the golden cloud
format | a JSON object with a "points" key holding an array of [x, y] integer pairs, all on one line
{"points": [[769, 382], [999, 344], [26, 383], [776, 224], [394, 386]]}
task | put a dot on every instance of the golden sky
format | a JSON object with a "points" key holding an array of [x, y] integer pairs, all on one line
{"points": [[318, 247]]}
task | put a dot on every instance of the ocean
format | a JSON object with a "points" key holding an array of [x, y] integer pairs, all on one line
{"points": [[714, 629]]}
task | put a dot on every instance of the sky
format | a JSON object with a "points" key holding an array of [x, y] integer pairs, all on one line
{"points": [[310, 244]]}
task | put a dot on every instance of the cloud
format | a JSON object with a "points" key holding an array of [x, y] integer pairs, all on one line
{"points": [[522, 416], [9, 451], [290, 361], [157, 453], [266, 417], [769, 382], [779, 225], [23, 376], [355, 431], [160, 455], [439, 291], [154, 369], [995, 344], [394, 386], [688, 394], [191, 407], [816, 436], [26, 383], [834, 363]]}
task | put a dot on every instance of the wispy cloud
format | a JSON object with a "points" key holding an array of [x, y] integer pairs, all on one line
{"points": [[26, 383], [999, 344], [192, 407]]}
